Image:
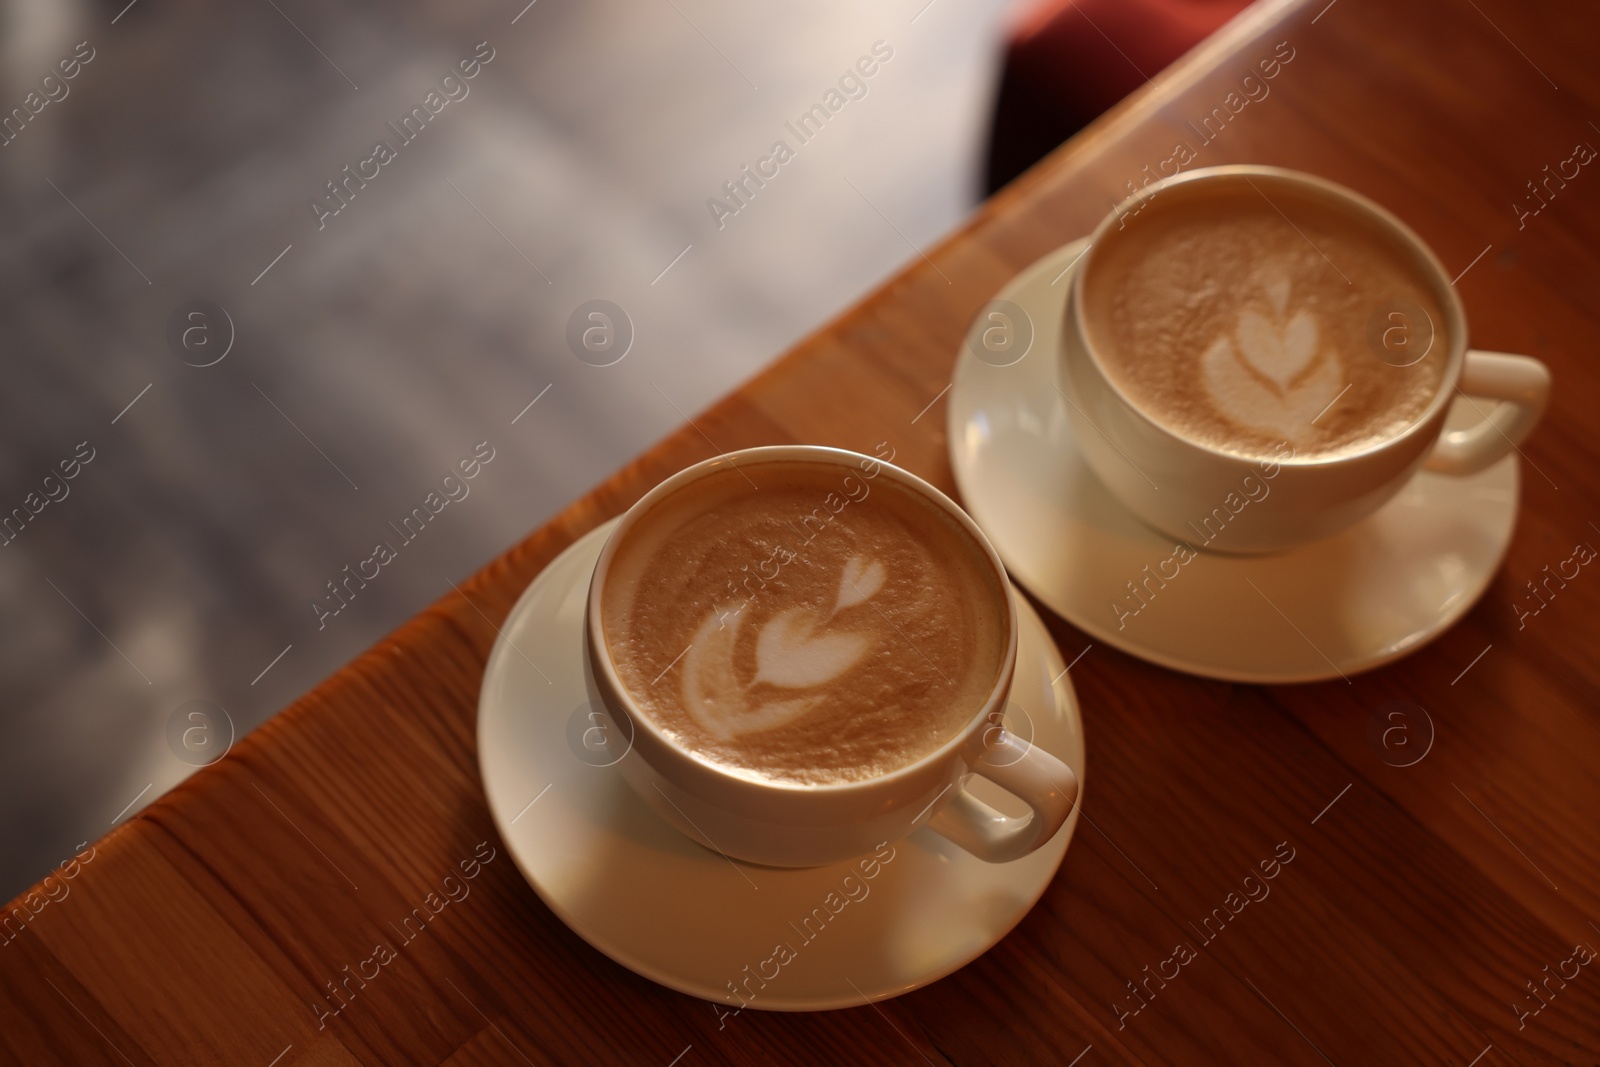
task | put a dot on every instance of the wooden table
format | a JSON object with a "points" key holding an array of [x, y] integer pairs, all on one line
{"points": [[1420, 902]]}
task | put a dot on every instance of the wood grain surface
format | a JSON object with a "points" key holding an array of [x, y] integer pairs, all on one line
{"points": [[1426, 915]]}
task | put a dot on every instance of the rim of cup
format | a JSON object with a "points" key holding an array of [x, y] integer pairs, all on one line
{"points": [[748, 459], [1455, 325]]}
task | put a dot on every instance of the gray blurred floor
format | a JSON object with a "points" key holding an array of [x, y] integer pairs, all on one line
{"points": [[420, 321]]}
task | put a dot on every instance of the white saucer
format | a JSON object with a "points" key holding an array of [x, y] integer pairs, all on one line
{"points": [[1349, 603], [691, 919]]}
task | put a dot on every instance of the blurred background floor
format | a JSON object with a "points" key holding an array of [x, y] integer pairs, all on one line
{"points": [[421, 320], [373, 319]]}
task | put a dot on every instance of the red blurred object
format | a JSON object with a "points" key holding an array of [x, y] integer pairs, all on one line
{"points": [[1067, 62]]}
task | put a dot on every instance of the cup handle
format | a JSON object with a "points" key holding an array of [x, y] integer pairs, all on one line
{"points": [[1521, 384], [1029, 772]]}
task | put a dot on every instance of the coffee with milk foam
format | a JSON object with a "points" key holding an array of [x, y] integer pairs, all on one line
{"points": [[828, 627], [1238, 322]]}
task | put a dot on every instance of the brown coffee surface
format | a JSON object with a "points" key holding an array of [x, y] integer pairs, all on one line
{"points": [[828, 627], [1238, 322]]}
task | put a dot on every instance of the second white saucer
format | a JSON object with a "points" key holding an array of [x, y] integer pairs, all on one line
{"points": [[1349, 603]]}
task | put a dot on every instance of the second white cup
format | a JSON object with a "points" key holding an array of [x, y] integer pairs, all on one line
{"points": [[1174, 483]]}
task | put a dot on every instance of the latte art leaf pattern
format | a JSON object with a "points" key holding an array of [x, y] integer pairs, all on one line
{"points": [[1270, 375], [794, 651]]}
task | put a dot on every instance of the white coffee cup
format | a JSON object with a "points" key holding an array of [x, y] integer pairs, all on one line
{"points": [[1169, 481], [791, 825]]}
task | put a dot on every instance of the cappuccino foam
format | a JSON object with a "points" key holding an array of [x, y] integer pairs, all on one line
{"points": [[1238, 322], [831, 626]]}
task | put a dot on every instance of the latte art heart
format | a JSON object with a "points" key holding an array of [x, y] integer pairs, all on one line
{"points": [[712, 692], [859, 581], [795, 651], [1277, 351], [1270, 377]]}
